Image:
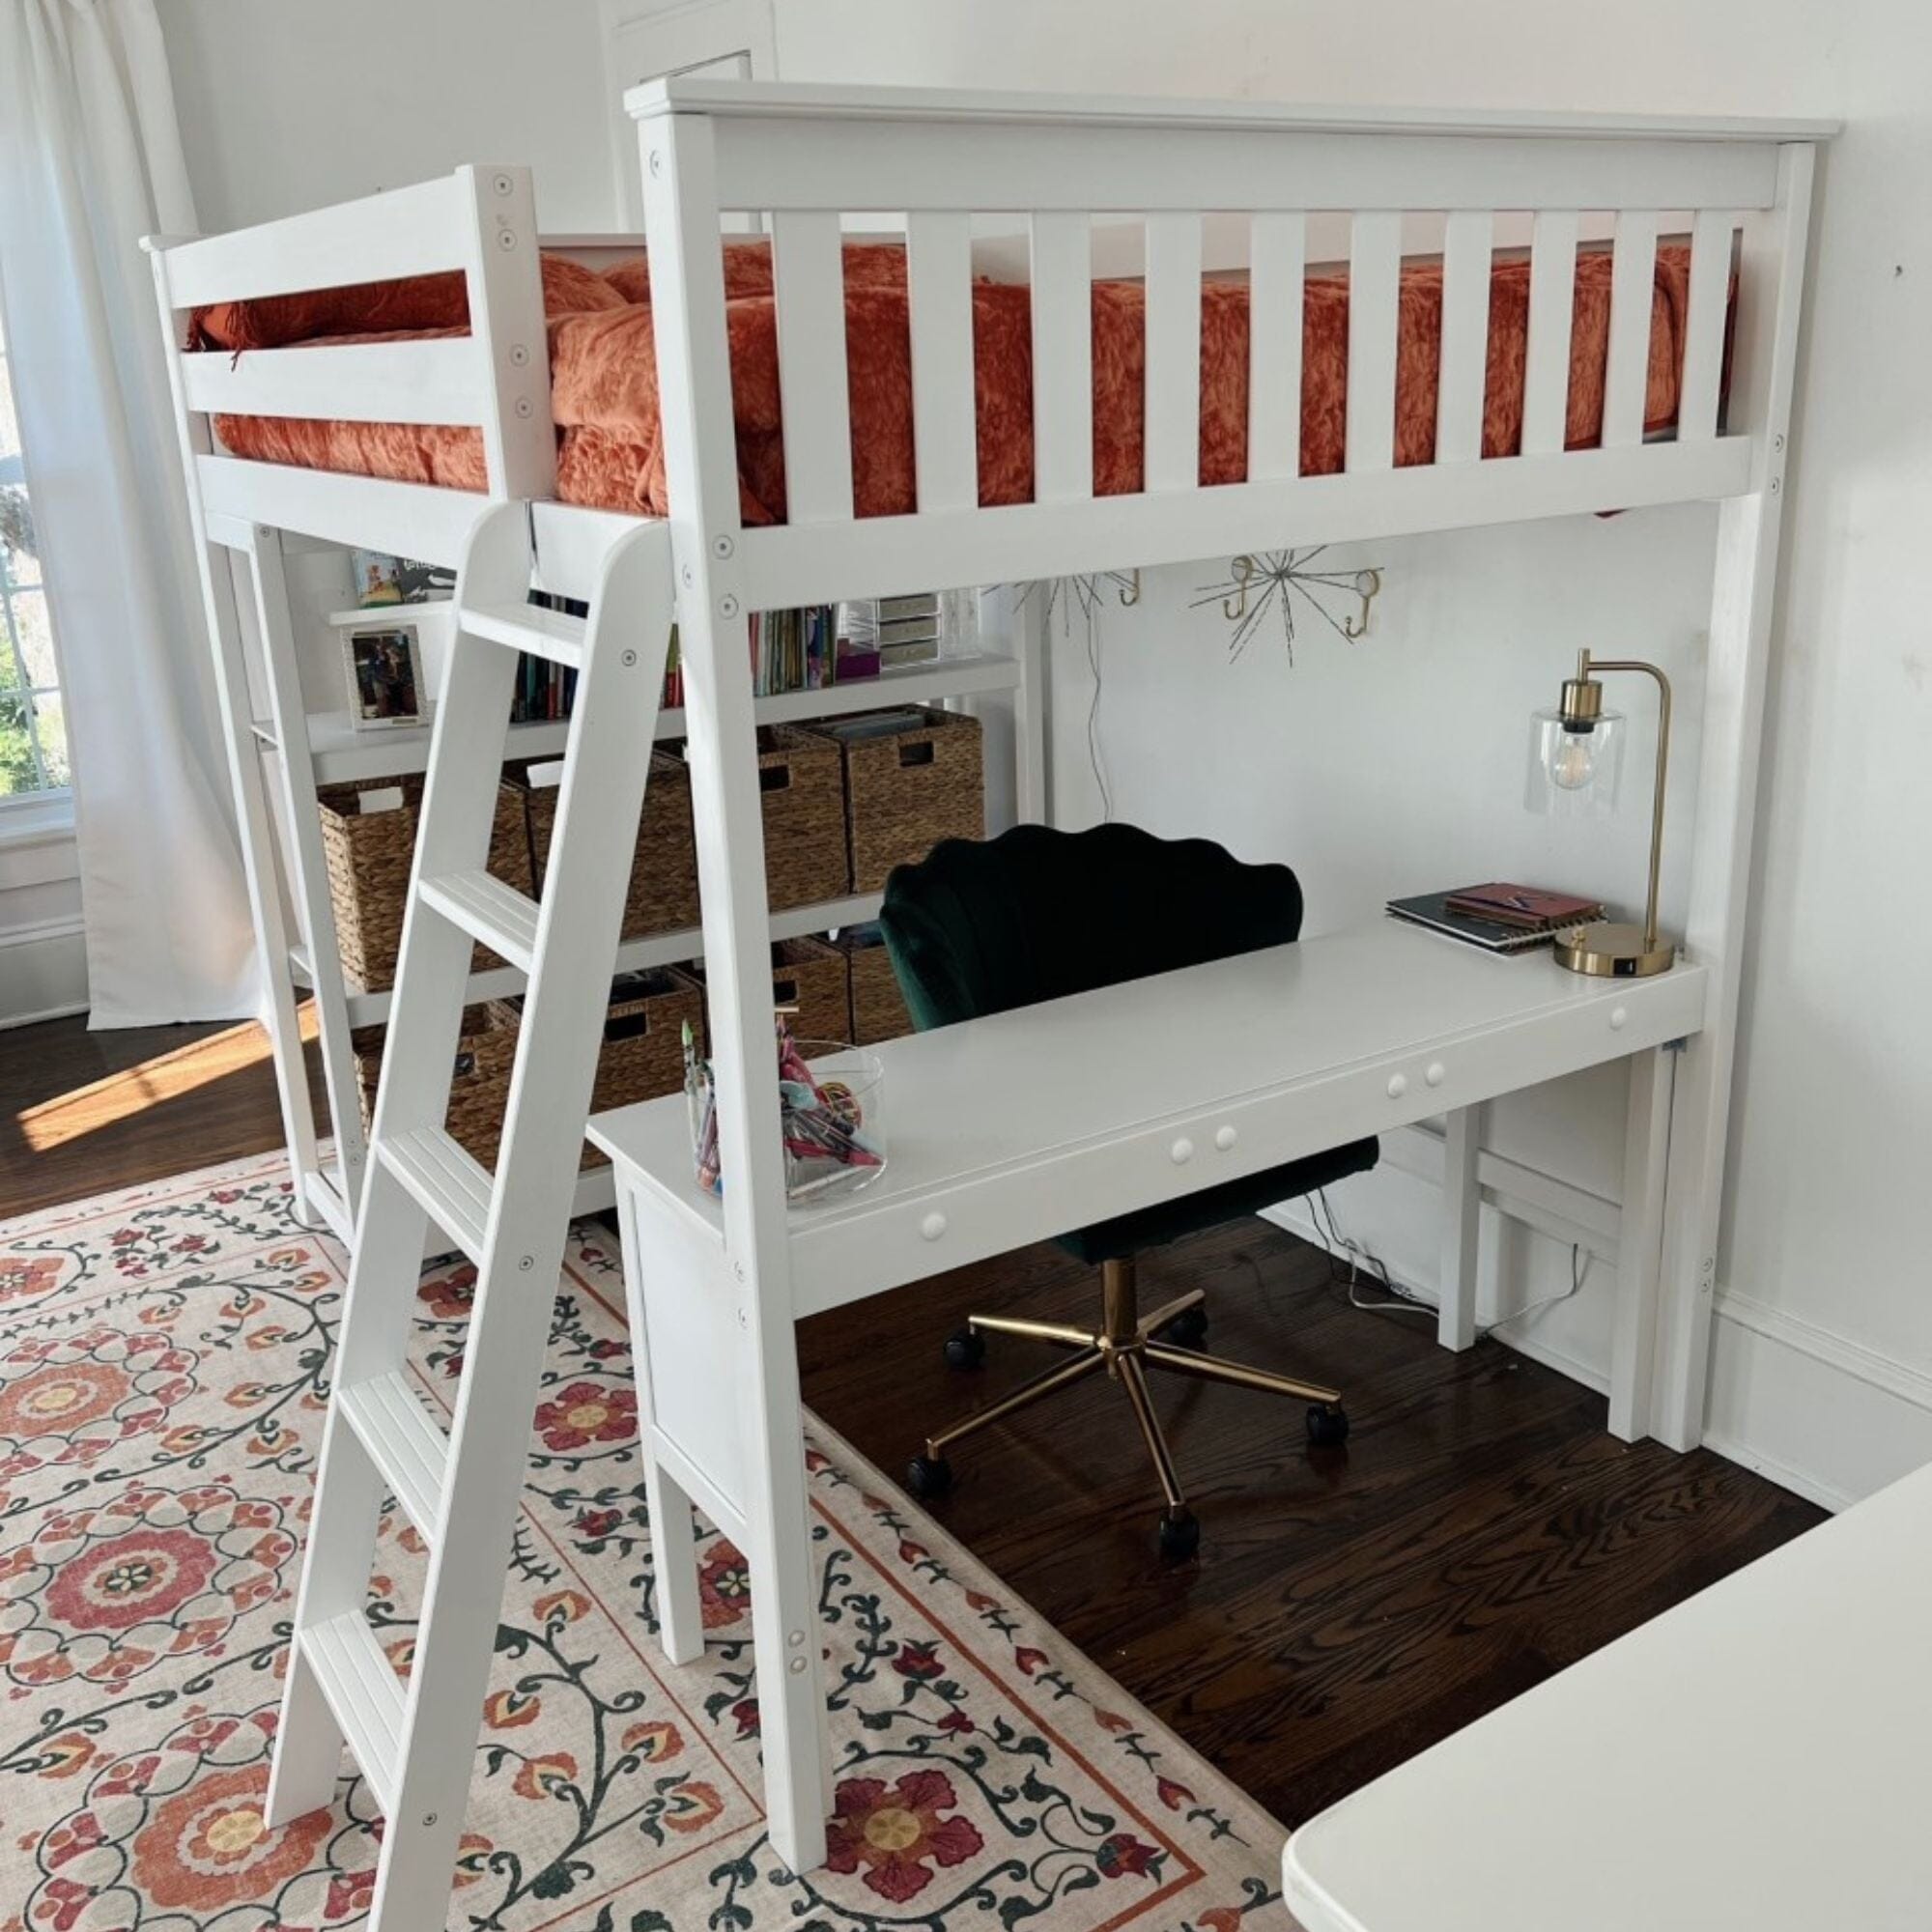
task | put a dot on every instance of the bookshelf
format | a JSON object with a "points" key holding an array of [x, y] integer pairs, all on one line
{"points": [[312, 749], [341, 755]]}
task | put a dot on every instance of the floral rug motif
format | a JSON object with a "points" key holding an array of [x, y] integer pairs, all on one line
{"points": [[163, 1363]]}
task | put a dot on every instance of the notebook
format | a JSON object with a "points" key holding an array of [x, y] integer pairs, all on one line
{"points": [[1522, 905], [1433, 910]]}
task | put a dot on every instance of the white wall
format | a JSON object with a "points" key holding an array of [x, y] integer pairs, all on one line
{"points": [[286, 104], [43, 943], [1396, 763], [1824, 1362]]}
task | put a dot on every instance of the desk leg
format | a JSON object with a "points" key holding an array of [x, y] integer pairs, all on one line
{"points": [[1461, 1220], [673, 1536], [1640, 1242]]}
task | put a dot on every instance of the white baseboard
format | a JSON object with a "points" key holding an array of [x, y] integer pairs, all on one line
{"points": [[43, 971], [1821, 1414]]}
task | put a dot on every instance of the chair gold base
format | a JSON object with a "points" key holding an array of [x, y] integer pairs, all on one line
{"points": [[1126, 1345]]}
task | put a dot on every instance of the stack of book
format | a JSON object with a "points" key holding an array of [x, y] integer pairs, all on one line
{"points": [[806, 649], [545, 690], [1498, 918], [791, 650]]}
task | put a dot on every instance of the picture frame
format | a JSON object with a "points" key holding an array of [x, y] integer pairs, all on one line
{"points": [[375, 578], [378, 580], [383, 671]]}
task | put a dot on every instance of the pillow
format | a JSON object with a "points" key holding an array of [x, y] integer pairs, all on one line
{"points": [[416, 303]]}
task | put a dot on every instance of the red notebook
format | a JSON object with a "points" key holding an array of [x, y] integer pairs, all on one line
{"points": [[1527, 906]]}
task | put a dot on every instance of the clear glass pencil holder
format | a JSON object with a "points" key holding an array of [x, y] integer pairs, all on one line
{"points": [[833, 1118]]}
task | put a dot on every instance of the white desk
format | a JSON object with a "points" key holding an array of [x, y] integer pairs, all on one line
{"points": [[1757, 1760], [1009, 1129]]}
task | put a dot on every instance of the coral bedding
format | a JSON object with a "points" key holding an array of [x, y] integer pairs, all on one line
{"points": [[605, 395]]}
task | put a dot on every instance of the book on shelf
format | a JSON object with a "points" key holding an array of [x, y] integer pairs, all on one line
{"points": [[806, 649], [1446, 912]]}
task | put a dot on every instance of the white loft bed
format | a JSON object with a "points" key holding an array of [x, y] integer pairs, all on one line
{"points": [[803, 158]]}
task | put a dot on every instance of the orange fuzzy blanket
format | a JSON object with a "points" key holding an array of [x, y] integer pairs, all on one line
{"points": [[605, 393]]}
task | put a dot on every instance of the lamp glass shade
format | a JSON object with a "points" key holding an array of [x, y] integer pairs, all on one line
{"points": [[1575, 774]]}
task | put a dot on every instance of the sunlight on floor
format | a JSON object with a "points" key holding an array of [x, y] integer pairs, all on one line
{"points": [[69, 1116]]}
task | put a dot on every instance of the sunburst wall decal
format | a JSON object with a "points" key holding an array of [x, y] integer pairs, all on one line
{"points": [[1276, 580]]}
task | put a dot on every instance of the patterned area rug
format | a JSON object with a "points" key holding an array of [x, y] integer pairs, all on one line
{"points": [[163, 1356]]}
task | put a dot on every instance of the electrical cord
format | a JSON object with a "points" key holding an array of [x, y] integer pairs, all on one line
{"points": [[1397, 1299], [1579, 1271], [1093, 717]]}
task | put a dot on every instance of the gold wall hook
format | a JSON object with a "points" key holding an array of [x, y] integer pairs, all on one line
{"points": [[1368, 587], [1130, 593], [1237, 607]]}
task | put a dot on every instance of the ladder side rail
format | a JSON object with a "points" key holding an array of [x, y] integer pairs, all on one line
{"points": [[308, 867], [578, 921], [254, 821], [682, 218], [432, 971], [467, 738]]}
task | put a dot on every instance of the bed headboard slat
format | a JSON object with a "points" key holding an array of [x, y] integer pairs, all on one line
{"points": [[1632, 300], [809, 274], [945, 425], [1374, 294], [1062, 357]]}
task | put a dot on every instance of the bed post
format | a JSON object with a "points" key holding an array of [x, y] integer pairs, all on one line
{"points": [[681, 224], [1770, 284], [503, 280], [254, 817]]}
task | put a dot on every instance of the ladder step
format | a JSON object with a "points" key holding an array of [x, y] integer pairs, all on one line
{"points": [[365, 1694], [526, 627], [501, 917], [446, 1179], [405, 1442]]}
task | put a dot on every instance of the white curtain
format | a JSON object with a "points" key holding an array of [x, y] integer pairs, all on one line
{"points": [[89, 161]]}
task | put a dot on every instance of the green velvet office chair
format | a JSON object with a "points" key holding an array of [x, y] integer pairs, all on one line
{"points": [[981, 926]]}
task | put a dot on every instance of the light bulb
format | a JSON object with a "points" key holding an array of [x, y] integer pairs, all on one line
{"points": [[1574, 767]]}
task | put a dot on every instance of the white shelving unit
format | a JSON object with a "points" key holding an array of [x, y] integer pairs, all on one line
{"points": [[345, 756], [307, 749]]}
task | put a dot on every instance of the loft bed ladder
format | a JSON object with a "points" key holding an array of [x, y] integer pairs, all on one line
{"points": [[414, 1742]]}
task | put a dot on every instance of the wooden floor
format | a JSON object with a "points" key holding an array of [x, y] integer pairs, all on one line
{"points": [[1348, 1608]]}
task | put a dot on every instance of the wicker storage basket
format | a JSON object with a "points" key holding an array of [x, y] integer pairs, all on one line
{"points": [[908, 788], [878, 1007], [663, 893], [368, 854], [642, 1055], [807, 975], [804, 798], [481, 1088]]}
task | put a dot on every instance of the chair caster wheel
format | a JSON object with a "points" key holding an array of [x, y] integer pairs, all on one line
{"points": [[1327, 1427], [1180, 1535], [965, 1350], [1188, 1329], [928, 1477]]}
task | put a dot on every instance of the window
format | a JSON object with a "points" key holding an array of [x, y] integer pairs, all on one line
{"points": [[32, 725]]}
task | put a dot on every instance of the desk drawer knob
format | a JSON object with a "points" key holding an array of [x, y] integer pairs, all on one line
{"points": [[1435, 1073], [1181, 1152], [1225, 1139], [1398, 1086], [932, 1227], [1618, 1015]]}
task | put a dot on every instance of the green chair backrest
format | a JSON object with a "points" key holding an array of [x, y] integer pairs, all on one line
{"points": [[980, 926]]}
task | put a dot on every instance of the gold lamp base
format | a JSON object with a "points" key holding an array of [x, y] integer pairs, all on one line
{"points": [[1611, 951]]}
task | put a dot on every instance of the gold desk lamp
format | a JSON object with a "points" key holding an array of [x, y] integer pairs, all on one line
{"points": [[1574, 767]]}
